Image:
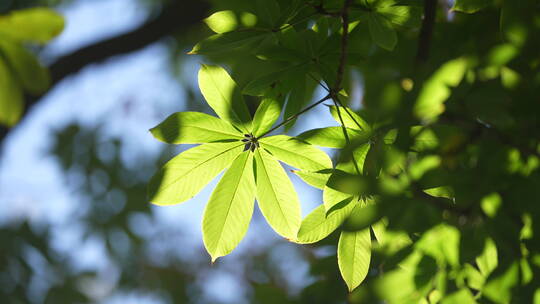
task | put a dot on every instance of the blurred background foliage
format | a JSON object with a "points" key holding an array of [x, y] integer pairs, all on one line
{"points": [[462, 208]]}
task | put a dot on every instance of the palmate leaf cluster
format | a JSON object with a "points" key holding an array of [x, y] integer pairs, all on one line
{"points": [[433, 192]]}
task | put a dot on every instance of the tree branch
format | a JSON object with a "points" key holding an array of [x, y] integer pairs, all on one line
{"points": [[177, 16], [426, 31]]}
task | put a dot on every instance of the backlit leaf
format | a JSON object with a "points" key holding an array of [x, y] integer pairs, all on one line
{"points": [[187, 173], [354, 255], [317, 225], [229, 210], [350, 118], [296, 153], [276, 196], [266, 115], [222, 21], [194, 128], [222, 94], [470, 6]]}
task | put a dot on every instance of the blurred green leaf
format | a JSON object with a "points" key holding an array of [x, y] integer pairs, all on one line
{"points": [[11, 98], [382, 32], [36, 25]]}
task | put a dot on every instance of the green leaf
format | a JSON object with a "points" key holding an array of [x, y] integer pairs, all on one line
{"points": [[363, 218], [230, 41], [461, 296], [488, 260], [187, 173], [350, 118], [260, 86], [317, 180], [222, 94], [296, 153], [317, 225], [37, 25], [229, 210], [194, 128], [30, 73], [499, 288], [276, 196], [222, 21], [296, 100], [268, 11], [354, 255], [430, 102], [266, 115], [402, 15], [332, 197], [382, 32], [331, 137], [11, 98], [352, 184], [470, 6]]}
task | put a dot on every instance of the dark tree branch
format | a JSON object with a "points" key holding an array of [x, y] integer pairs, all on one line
{"points": [[426, 31], [177, 16]]}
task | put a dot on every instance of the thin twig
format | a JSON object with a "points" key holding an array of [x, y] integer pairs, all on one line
{"points": [[426, 31], [297, 114], [346, 134], [344, 42]]}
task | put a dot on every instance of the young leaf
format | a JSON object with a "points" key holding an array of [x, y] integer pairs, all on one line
{"points": [[37, 25], [11, 99], [222, 94], [194, 128], [186, 174], [354, 254], [276, 196], [350, 118], [382, 32], [317, 225], [31, 74], [266, 115], [229, 210], [296, 153]]}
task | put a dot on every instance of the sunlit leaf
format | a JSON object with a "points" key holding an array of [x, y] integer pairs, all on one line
{"points": [[194, 128], [229, 210], [488, 260], [276, 196], [37, 25], [430, 102], [11, 98], [354, 255], [317, 225], [266, 115], [461, 296], [186, 174], [296, 153], [222, 94], [314, 179], [331, 137], [222, 21]]}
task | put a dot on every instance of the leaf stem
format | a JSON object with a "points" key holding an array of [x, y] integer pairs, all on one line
{"points": [[297, 114]]}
